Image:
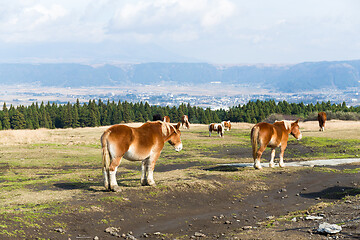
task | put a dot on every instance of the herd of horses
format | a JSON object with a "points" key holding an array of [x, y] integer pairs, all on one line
{"points": [[146, 142]]}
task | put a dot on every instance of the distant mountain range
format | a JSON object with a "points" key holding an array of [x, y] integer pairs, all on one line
{"points": [[285, 78]]}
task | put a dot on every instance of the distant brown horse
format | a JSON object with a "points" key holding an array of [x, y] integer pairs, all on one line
{"points": [[185, 121], [143, 143], [272, 135], [166, 119], [322, 119], [217, 127], [227, 125]]}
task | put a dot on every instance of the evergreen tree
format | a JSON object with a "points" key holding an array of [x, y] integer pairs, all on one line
{"points": [[17, 120], [6, 118]]}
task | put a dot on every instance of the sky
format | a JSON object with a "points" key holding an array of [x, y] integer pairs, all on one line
{"points": [[213, 31]]}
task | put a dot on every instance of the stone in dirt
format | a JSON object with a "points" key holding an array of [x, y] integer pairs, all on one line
{"points": [[113, 231], [329, 228], [60, 230], [313, 217], [199, 234]]}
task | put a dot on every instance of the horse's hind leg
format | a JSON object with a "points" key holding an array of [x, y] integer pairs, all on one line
{"points": [[271, 164], [112, 174], [257, 164], [281, 161]]}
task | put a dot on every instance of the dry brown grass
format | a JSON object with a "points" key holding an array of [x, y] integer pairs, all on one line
{"points": [[333, 129]]}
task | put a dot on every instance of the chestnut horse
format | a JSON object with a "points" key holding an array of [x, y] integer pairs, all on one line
{"points": [[227, 125], [166, 119], [143, 143], [185, 121], [322, 119], [272, 135], [218, 127]]}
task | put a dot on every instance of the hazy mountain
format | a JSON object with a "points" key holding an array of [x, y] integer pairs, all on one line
{"points": [[289, 78]]}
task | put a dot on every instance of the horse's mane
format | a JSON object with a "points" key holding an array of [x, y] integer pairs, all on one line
{"points": [[165, 127], [287, 124]]}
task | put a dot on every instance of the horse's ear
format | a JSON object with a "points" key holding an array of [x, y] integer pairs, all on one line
{"points": [[178, 126], [297, 121]]}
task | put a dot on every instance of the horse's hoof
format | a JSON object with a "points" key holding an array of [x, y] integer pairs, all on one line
{"points": [[282, 165], [116, 188], [271, 165], [257, 167], [151, 183]]}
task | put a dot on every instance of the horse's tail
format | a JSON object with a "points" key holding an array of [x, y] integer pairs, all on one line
{"points": [[105, 150], [254, 139]]}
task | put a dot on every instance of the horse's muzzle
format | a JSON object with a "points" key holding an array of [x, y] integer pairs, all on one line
{"points": [[178, 147], [299, 137]]}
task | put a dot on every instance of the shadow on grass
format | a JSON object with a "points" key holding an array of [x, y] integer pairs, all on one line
{"points": [[96, 186], [90, 186], [334, 193], [225, 169]]}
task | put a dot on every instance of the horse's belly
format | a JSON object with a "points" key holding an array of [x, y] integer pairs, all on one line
{"points": [[134, 154]]}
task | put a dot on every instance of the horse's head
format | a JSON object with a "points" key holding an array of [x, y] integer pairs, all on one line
{"points": [[295, 130], [174, 137]]}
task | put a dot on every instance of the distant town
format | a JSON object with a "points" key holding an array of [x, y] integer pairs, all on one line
{"points": [[26, 95]]}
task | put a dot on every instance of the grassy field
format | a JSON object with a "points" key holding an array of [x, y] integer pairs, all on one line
{"points": [[40, 170]]}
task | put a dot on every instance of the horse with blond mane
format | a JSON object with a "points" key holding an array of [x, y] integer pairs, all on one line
{"points": [[272, 135], [142, 143], [185, 121], [166, 119], [227, 125], [216, 127]]}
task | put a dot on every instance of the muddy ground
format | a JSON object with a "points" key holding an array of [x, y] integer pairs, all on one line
{"points": [[200, 200]]}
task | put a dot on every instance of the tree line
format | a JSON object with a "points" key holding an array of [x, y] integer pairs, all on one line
{"points": [[99, 113]]}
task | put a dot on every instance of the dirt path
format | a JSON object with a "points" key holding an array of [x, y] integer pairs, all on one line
{"points": [[225, 209]]}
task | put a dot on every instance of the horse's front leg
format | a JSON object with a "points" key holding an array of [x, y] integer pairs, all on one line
{"points": [[151, 167], [281, 161], [144, 169], [271, 163]]}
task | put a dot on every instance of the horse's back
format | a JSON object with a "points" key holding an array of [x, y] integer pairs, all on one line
{"points": [[267, 132], [120, 133]]}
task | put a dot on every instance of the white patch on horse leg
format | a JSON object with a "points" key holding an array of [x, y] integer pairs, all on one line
{"points": [[323, 129], [257, 164], [150, 177], [150, 172], [281, 162], [209, 134], [106, 179], [113, 183], [271, 163]]}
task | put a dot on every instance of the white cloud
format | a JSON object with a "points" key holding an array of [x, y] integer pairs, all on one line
{"points": [[212, 30], [172, 17], [217, 13]]}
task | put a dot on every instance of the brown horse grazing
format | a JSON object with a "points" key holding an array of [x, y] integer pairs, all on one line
{"points": [[272, 135], [218, 127], [322, 119], [227, 125], [166, 119], [143, 143], [185, 121]]}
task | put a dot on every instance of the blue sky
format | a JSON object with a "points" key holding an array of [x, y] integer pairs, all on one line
{"points": [[214, 31]]}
